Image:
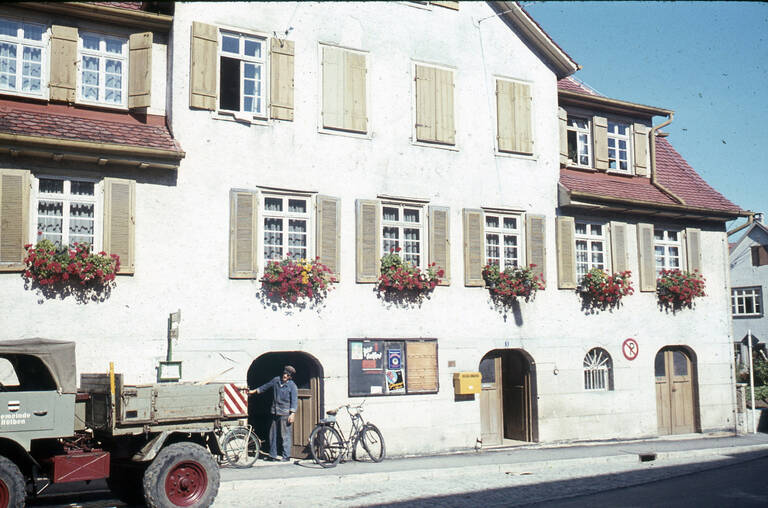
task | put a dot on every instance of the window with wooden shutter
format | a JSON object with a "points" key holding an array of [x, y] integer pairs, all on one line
{"points": [[63, 78], [281, 79], [566, 259], [24, 58], [535, 243], [328, 238], [513, 117], [120, 221], [439, 241], [562, 122], [619, 247], [640, 149], [600, 134], [646, 257], [693, 248], [434, 105], [202, 73], [344, 90], [140, 70], [473, 247], [14, 218], [243, 234], [368, 259]]}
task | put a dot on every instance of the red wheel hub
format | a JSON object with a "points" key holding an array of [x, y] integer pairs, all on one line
{"points": [[5, 495], [186, 483]]}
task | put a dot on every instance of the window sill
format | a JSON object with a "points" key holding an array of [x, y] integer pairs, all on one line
{"points": [[626, 174], [440, 146], [21, 95], [347, 134], [99, 105], [581, 168], [514, 155], [747, 316], [229, 116]]}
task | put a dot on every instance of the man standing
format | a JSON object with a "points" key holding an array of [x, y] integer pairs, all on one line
{"points": [[284, 403]]}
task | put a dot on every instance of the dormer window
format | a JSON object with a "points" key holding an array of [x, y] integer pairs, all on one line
{"points": [[579, 140], [22, 51], [618, 146]]}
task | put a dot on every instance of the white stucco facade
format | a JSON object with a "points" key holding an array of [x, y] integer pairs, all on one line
{"points": [[182, 238]]}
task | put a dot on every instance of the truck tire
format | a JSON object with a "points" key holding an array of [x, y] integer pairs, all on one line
{"points": [[182, 474], [125, 482], [12, 489]]}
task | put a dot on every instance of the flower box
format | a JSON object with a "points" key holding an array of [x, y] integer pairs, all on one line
{"points": [[676, 289], [403, 282], [507, 285], [49, 265], [289, 280], [600, 290]]}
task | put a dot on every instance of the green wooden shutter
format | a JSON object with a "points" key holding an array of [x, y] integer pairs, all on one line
{"points": [[440, 240], [14, 218], [647, 261], [203, 65], [619, 259], [474, 246], [140, 73], [693, 248], [281, 79], [600, 135], [243, 234], [355, 74], [328, 236], [63, 78], [333, 88], [368, 240], [562, 122], [120, 221], [640, 137], [425, 103], [535, 243], [566, 255], [445, 129]]}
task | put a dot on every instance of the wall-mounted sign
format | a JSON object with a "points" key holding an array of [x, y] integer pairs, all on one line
{"points": [[394, 359], [630, 349]]}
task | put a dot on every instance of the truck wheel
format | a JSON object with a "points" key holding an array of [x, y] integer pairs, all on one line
{"points": [[12, 491], [182, 474]]}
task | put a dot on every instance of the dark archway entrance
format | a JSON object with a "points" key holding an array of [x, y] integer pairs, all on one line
{"points": [[508, 397], [309, 379]]}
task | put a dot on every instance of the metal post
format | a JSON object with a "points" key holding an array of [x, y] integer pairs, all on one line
{"points": [[751, 381]]}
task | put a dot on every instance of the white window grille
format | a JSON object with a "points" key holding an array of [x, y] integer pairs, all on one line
{"points": [[67, 211], [598, 370], [590, 247], [579, 141], [403, 226], [242, 71], [103, 69], [667, 247], [22, 57], [747, 302], [618, 146], [502, 240], [286, 227]]}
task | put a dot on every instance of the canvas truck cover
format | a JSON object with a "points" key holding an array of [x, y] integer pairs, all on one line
{"points": [[58, 356]]}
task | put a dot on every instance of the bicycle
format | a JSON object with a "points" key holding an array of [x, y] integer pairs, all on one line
{"points": [[240, 447], [328, 445]]}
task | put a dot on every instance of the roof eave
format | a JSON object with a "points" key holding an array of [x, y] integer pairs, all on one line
{"points": [[563, 64], [105, 13], [572, 98]]}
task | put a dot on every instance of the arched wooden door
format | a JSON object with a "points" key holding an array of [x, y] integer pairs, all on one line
{"points": [[308, 380], [675, 391]]}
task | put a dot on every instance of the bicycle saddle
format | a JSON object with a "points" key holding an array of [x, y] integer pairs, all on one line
{"points": [[332, 412]]}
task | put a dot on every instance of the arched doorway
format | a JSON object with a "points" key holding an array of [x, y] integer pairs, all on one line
{"points": [[309, 378], [676, 408], [508, 397]]}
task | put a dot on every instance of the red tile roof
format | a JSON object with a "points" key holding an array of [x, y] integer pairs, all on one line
{"points": [[672, 171], [49, 125], [572, 85]]}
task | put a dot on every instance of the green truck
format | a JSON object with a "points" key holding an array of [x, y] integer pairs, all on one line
{"points": [[158, 443]]}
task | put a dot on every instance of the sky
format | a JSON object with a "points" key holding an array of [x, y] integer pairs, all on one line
{"points": [[706, 61]]}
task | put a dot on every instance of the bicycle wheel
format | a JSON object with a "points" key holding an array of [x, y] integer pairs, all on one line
{"points": [[326, 446], [373, 442], [240, 447]]}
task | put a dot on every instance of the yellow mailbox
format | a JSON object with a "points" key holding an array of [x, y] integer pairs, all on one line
{"points": [[466, 383]]}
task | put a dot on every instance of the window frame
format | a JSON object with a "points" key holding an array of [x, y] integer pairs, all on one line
{"points": [[617, 138], [43, 44], [598, 370], [414, 103], [519, 232], [368, 134], [757, 296], [589, 238], [67, 198], [266, 79], [401, 224], [285, 215], [101, 55], [667, 244], [384, 366], [590, 140]]}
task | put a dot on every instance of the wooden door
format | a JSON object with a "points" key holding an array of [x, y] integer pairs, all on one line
{"points": [[517, 397], [306, 418], [491, 414], [674, 392]]}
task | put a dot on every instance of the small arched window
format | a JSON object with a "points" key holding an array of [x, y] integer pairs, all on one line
{"points": [[598, 370]]}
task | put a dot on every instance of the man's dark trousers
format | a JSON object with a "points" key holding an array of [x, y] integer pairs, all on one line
{"points": [[286, 431]]}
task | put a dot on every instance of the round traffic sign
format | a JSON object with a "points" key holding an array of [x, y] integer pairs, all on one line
{"points": [[630, 349]]}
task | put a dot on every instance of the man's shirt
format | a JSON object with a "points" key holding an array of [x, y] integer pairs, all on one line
{"points": [[286, 395]]}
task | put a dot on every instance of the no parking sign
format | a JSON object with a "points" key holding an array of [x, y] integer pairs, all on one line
{"points": [[630, 349], [394, 359]]}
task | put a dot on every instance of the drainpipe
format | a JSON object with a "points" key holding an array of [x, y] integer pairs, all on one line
{"points": [[652, 146], [750, 220]]}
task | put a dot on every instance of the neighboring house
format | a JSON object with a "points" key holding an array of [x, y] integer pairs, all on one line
{"points": [[341, 130], [749, 282]]}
